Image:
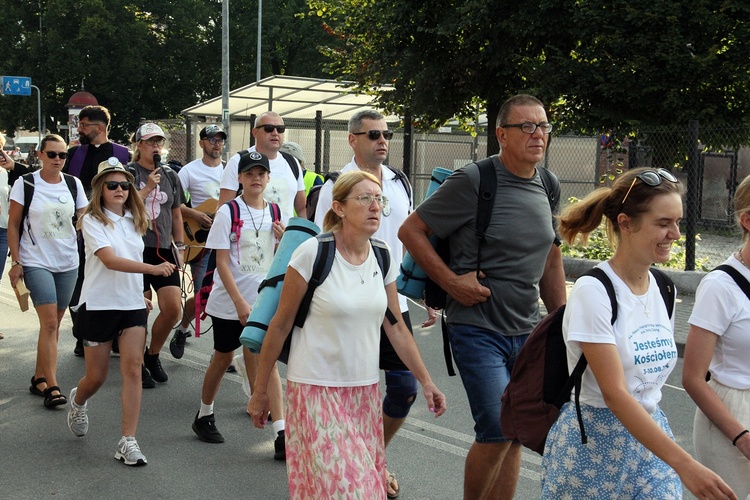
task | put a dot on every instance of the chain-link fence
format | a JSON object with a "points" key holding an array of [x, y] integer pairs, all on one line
{"points": [[709, 162]]}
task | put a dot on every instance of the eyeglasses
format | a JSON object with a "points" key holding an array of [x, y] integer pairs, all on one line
{"points": [[651, 178], [87, 124], [374, 135], [366, 200], [214, 141], [155, 142], [113, 185], [268, 128], [530, 128], [52, 154]]}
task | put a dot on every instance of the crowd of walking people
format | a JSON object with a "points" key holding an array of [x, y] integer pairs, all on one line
{"points": [[91, 220]]}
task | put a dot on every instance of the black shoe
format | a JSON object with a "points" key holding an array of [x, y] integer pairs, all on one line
{"points": [[279, 447], [205, 429], [153, 364], [78, 350], [177, 344], [146, 381]]}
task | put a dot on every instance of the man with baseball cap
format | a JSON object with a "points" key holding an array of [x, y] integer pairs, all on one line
{"points": [[200, 180]]}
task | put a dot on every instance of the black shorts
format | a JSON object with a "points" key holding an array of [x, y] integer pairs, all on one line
{"points": [[103, 326], [150, 256], [389, 360], [226, 334]]}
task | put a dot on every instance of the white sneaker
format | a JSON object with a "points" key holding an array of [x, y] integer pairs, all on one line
{"points": [[129, 452], [78, 420], [239, 364]]}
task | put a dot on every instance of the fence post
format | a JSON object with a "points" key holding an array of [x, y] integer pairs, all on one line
{"points": [[407, 145], [691, 198], [318, 139]]}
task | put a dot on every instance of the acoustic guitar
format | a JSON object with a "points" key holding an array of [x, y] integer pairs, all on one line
{"points": [[195, 234]]}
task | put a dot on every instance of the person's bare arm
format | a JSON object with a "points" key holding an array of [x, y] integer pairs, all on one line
{"points": [[552, 285]]}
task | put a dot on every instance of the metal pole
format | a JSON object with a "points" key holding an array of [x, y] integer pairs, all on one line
{"points": [[225, 75], [39, 113], [260, 26]]}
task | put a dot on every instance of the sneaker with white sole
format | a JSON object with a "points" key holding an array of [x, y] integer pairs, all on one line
{"points": [[239, 365], [129, 452], [78, 419]]}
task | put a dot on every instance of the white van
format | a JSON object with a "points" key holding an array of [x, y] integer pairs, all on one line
{"points": [[23, 143]]}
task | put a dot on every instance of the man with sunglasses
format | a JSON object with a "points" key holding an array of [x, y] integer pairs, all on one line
{"points": [[200, 180], [491, 312], [83, 161], [287, 186], [369, 138]]}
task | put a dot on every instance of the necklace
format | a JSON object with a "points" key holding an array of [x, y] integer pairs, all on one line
{"points": [[252, 219], [351, 261], [638, 297], [739, 256]]}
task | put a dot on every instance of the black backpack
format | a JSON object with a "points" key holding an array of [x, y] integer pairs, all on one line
{"points": [[321, 267], [311, 204], [540, 382]]}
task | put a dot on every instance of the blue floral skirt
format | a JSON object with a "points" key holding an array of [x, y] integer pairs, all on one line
{"points": [[612, 465]]}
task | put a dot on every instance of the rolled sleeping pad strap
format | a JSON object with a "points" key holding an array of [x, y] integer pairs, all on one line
{"points": [[411, 279], [297, 231]]}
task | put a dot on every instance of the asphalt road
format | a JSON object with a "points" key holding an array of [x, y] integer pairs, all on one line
{"points": [[41, 458]]}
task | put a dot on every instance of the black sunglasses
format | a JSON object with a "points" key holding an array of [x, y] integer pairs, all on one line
{"points": [[374, 135], [651, 178], [113, 185], [52, 154], [268, 128]]}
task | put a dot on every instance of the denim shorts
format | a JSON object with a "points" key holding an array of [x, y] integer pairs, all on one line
{"points": [[198, 269], [484, 359], [47, 287]]}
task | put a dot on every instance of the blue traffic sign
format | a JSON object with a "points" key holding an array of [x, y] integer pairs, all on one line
{"points": [[16, 85]]}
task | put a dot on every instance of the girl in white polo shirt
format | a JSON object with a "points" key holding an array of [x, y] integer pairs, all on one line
{"points": [[112, 303]]}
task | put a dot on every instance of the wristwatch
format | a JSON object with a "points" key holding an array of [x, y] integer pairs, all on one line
{"points": [[15, 263]]}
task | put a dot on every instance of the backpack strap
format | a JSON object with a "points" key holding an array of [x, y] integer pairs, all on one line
{"points": [[234, 213], [321, 268], [487, 190], [292, 161], [576, 376], [401, 176], [275, 211], [383, 256], [736, 276], [666, 289]]}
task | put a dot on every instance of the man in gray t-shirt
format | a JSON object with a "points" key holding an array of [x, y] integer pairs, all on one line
{"points": [[489, 316]]}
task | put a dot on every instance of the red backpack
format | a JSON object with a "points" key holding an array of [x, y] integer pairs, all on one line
{"points": [[207, 284], [539, 383]]}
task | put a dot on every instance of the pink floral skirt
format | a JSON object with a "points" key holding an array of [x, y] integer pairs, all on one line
{"points": [[334, 442]]}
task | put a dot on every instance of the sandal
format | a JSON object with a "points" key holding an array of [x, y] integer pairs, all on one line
{"points": [[52, 400], [33, 389], [392, 485]]}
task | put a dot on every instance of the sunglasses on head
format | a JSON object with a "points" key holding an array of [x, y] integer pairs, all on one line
{"points": [[268, 128], [52, 154], [651, 178], [113, 185], [374, 135]]}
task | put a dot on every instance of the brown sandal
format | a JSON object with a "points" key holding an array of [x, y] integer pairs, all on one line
{"points": [[33, 389]]}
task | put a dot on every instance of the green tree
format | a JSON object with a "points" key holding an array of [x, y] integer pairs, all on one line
{"points": [[598, 64]]}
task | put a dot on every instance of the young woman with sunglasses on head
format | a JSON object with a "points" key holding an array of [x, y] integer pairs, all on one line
{"points": [[630, 451], [44, 253], [718, 343], [112, 303]]}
